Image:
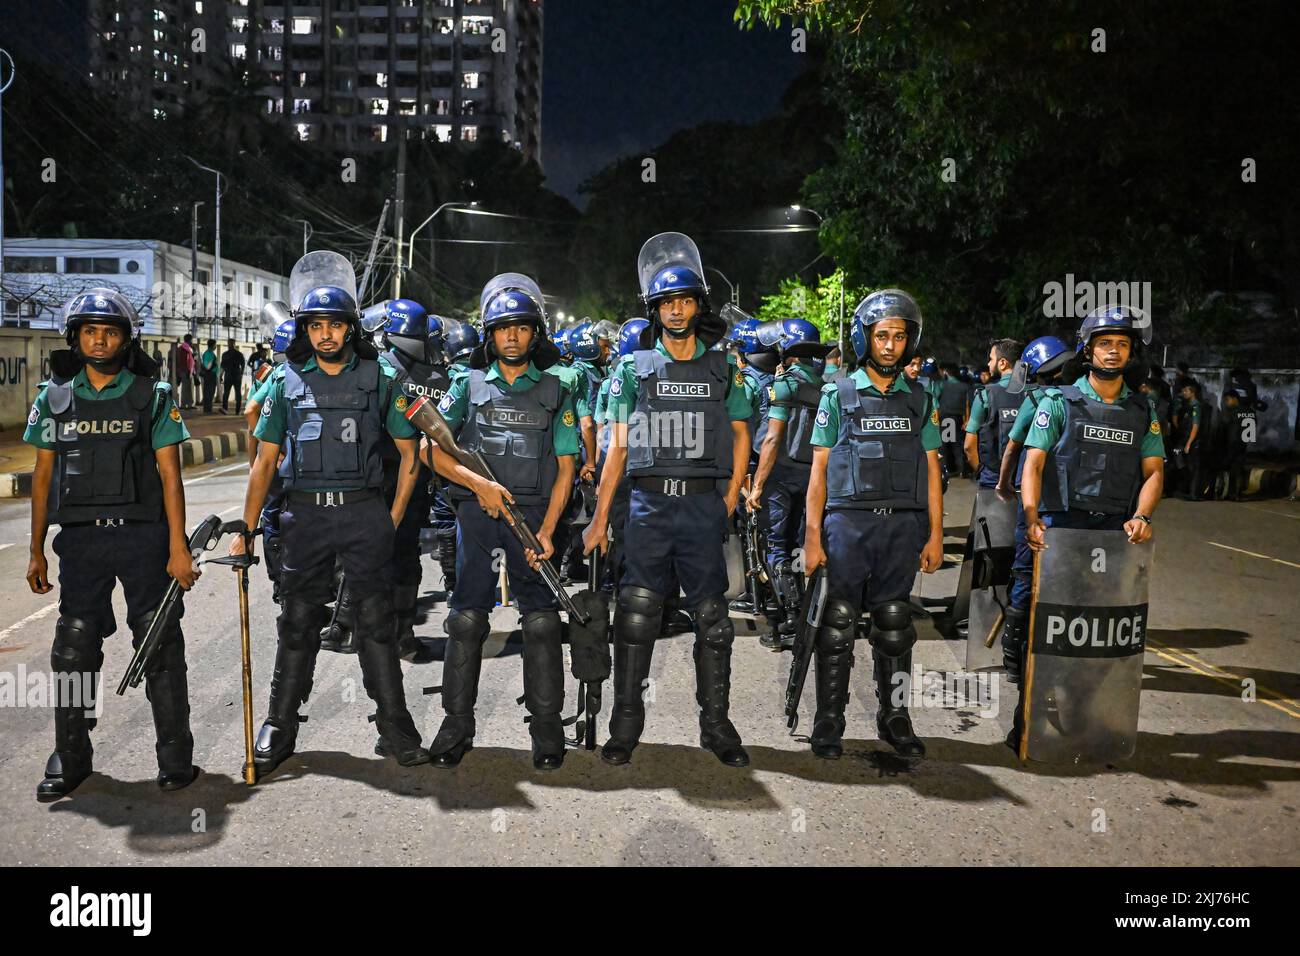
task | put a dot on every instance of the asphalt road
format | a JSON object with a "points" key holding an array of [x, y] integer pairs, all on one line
{"points": [[1215, 781]]}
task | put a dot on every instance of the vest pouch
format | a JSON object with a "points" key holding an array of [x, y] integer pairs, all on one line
{"points": [[307, 448], [528, 463], [902, 469], [1089, 477], [872, 471], [697, 436], [839, 472]]}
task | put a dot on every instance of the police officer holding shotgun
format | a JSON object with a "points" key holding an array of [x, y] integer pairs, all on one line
{"points": [[679, 432], [329, 412], [518, 415], [108, 472], [874, 512]]}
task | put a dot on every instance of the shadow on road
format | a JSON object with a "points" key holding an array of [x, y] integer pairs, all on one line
{"points": [[1199, 637], [159, 823]]}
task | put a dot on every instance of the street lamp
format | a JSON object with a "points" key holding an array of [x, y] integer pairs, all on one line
{"points": [[795, 207], [194, 267], [735, 289], [216, 253], [410, 256], [306, 233]]}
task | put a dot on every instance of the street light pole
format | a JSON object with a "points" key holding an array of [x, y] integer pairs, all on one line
{"points": [[306, 233], [410, 252], [216, 252], [735, 289], [194, 267], [4, 85]]}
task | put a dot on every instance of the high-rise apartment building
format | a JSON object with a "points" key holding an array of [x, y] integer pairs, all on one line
{"points": [[345, 73]]}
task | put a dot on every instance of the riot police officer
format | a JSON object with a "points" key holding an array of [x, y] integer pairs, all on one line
{"points": [[108, 472], [992, 413], [519, 416], [270, 518], [876, 479], [459, 340], [329, 412], [679, 429], [784, 443], [758, 365], [414, 343], [1040, 365], [1094, 457], [629, 340]]}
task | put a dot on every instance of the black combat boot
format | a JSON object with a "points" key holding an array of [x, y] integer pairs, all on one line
{"points": [[834, 665], [341, 636], [714, 635], [168, 693], [466, 632], [894, 723], [544, 687], [299, 627], [1014, 634], [75, 657], [381, 673]]}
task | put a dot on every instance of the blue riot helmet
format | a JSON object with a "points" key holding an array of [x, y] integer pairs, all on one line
{"points": [[281, 339], [459, 340], [877, 307], [1109, 319], [561, 341], [507, 299], [929, 368], [669, 267], [406, 329], [583, 344], [629, 336], [793, 338], [323, 284], [101, 306], [435, 339], [1041, 357]]}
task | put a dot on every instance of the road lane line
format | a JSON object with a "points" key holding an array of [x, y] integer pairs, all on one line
{"points": [[1270, 511], [34, 616], [1254, 554], [220, 471], [1278, 701]]}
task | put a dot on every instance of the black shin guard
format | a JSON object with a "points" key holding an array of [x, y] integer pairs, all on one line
{"points": [[834, 663], [638, 616], [714, 635]]}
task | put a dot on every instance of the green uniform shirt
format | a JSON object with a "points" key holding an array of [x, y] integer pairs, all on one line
{"points": [[273, 424], [785, 387], [1049, 421], [602, 403], [826, 430], [753, 395], [575, 385], [1024, 420], [260, 393], [624, 386], [564, 433], [979, 407], [168, 427]]}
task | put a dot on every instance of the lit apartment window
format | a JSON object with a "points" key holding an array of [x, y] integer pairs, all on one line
{"points": [[470, 81], [444, 108], [277, 26], [274, 105], [407, 108], [239, 24], [379, 133], [159, 15], [302, 79], [302, 106], [381, 80], [238, 51], [302, 25], [469, 134], [304, 131], [379, 107], [443, 133], [446, 26], [198, 7], [476, 25]]}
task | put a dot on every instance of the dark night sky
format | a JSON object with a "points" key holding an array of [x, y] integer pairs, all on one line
{"points": [[621, 76]]}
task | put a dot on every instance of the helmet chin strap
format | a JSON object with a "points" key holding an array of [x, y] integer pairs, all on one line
{"points": [[894, 369], [681, 333]]}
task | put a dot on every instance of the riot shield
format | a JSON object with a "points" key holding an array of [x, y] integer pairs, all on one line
{"points": [[733, 550], [1087, 635], [993, 549], [374, 317]]}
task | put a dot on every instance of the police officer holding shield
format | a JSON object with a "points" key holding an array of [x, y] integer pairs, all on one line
{"points": [[518, 415], [783, 441], [1094, 457], [679, 433], [874, 513], [329, 413], [108, 472]]}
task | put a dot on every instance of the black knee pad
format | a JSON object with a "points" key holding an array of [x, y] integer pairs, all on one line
{"points": [[468, 626], [300, 622], [638, 615], [892, 633], [712, 623], [838, 630], [77, 646], [543, 626], [374, 618]]}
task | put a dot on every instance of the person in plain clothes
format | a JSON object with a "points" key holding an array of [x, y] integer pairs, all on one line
{"points": [[208, 370], [232, 377]]}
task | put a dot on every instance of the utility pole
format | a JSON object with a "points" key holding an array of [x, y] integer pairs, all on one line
{"points": [[370, 259], [216, 252], [4, 85], [194, 268], [401, 207]]}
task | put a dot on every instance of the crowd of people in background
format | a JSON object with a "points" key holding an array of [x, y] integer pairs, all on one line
{"points": [[197, 370], [1205, 446]]}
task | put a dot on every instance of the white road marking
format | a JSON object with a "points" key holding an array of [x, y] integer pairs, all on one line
{"points": [[1270, 511], [34, 616], [220, 471], [9, 545], [1254, 554]]}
